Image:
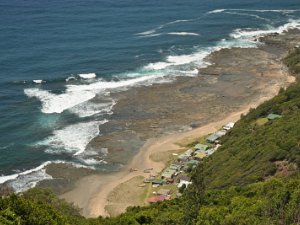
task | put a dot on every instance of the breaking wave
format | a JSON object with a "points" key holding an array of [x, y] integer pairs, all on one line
{"points": [[283, 11], [23, 181], [73, 138], [183, 34]]}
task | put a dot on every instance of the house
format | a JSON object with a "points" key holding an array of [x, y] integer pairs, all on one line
{"points": [[273, 116], [199, 155], [177, 163], [199, 152], [201, 147], [192, 163], [185, 156], [168, 173], [221, 133], [228, 126], [175, 166], [158, 198], [184, 180], [212, 138], [157, 181], [164, 192]]}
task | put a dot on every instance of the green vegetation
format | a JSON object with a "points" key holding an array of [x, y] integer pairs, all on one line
{"points": [[248, 154], [293, 61], [239, 184]]}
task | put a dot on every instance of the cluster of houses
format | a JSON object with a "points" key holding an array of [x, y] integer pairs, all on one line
{"points": [[184, 163], [179, 169]]}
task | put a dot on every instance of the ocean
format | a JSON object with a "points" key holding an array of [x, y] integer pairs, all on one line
{"points": [[57, 57]]}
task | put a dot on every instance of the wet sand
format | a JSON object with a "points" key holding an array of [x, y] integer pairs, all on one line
{"points": [[161, 118]]}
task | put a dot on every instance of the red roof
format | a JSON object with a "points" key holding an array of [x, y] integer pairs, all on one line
{"points": [[158, 198]]}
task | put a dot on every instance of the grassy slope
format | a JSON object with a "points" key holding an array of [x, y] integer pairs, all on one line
{"points": [[248, 154]]}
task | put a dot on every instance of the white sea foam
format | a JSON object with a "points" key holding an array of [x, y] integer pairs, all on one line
{"points": [[70, 78], [216, 11], [284, 11], [150, 35], [153, 32], [101, 85], [183, 34], [177, 60], [87, 109], [250, 33], [4, 179], [146, 32], [240, 38], [92, 162], [57, 103], [158, 65], [73, 138], [87, 75], [191, 73], [250, 15], [38, 81], [78, 94], [268, 10], [179, 21], [22, 181]]}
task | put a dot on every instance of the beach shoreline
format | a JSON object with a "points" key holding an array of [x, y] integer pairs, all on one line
{"points": [[91, 193], [100, 186]]}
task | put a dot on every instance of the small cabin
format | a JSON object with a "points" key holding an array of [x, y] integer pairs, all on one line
{"points": [[273, 116]]}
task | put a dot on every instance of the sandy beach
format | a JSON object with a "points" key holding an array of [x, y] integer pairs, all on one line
{"points": [[101, 186], [108, 194]]}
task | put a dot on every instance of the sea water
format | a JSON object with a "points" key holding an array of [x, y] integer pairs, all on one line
{"points": [[57, 56]]}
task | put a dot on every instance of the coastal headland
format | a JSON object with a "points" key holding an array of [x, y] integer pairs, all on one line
{"points": [[152, 122]]}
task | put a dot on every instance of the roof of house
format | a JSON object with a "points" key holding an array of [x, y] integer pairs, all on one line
{"points": [[164, 192], [200, 155], [192, 162], [273, 116], [221, 133], [212, 138], [176, 163], [157, 181], [175, 166], [186, 154], [185, 178], [199, 151], [201, 147], [228, 126], [183, 157], [168, 173], [158, 198]]}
